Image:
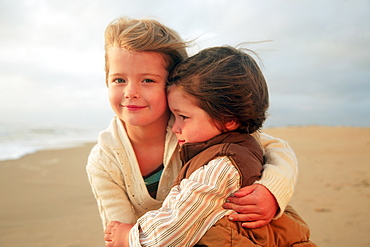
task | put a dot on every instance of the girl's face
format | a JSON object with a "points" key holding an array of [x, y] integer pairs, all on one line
{"points": [[192, 124], [136, 86]]}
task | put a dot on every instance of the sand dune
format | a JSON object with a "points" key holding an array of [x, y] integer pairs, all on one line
{"points": [[47, 201]]}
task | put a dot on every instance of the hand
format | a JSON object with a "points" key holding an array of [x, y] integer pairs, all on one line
{"points": [[255, 204], [116, 234]]}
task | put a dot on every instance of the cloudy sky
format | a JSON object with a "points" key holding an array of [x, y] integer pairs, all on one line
{"points": [[317, 63]]}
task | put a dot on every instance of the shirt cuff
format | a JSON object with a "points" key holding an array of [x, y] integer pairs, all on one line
{"points": [[134, 234]]}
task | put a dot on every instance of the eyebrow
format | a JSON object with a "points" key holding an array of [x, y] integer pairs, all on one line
{"points": [[181, 112], [143, 74]]}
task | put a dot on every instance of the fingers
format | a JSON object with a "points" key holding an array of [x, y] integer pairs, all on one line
{"points": [[113, 223], [244, 217], [241, 208], [255, 204], [250, 220], [108, 237], [243, 196], [109, 230], [238, 201], [245, 190], [255, 224]]}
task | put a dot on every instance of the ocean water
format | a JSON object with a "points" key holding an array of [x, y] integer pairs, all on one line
{"points": [[19, 139]]}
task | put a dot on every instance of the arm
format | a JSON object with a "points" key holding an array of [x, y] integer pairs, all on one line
{"points": [[258, 204], [190, 209], [107, 185], [280, 170]]}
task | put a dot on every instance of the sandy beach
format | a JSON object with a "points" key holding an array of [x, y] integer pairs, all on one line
{"points": [[46, 199]]}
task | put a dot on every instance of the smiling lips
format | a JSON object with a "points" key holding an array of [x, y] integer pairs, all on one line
{"points": [[133, 107]]}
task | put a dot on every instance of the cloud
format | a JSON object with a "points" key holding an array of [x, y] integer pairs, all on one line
{"points": [[52, 62]]}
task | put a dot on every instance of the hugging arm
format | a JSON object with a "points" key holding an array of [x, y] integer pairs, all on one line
{"points": [[107, 185], [267, 198]]}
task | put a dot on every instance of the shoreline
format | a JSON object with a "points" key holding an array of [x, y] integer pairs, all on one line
{"points": [[47, 200], [67, 144]]}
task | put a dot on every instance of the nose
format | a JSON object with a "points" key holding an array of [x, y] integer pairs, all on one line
{"points": [[175, 128], [131, 91]]}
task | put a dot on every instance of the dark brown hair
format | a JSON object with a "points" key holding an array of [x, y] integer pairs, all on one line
{"points": [[227, 83]]}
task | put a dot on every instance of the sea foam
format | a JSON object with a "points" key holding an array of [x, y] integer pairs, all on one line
{"points": [[19, 139]]}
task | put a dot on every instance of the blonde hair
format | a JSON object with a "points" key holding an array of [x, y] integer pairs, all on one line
{"points": [[147, 35]]}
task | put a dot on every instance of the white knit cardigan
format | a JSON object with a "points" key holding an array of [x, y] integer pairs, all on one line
{"points": [[120, 190]]}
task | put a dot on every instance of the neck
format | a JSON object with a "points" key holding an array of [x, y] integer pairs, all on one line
{"points": [[148, 143], [149, 134]]}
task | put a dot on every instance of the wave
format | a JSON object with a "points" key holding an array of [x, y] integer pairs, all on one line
{"points": [[19, 139]]}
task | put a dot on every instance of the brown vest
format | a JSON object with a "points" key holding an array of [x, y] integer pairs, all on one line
{"points": [[246, 155], [242, 149]]}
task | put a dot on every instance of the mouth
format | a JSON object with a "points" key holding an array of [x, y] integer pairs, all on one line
{"points": [[181, 142], [133, 107]]}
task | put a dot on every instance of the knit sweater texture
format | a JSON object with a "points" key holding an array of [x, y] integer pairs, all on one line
{"points": [[119, 188]]}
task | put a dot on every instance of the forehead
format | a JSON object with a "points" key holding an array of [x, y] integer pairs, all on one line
{"points": [[117, 56], [179, 100]]}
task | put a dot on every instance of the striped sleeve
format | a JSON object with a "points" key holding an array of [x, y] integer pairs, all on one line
{"points": [[190, 209]]}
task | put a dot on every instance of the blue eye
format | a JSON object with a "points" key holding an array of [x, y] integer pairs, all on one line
{"points": [[183, 117], [119, 80], [148, 80]]}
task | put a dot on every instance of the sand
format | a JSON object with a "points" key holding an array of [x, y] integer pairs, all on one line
{"points": [[46, 199]]}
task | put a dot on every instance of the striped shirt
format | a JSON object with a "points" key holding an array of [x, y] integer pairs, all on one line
{"points": [[190, 209]]}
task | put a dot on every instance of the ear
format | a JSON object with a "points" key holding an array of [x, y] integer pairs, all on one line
{"points": [[232, 125]]}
